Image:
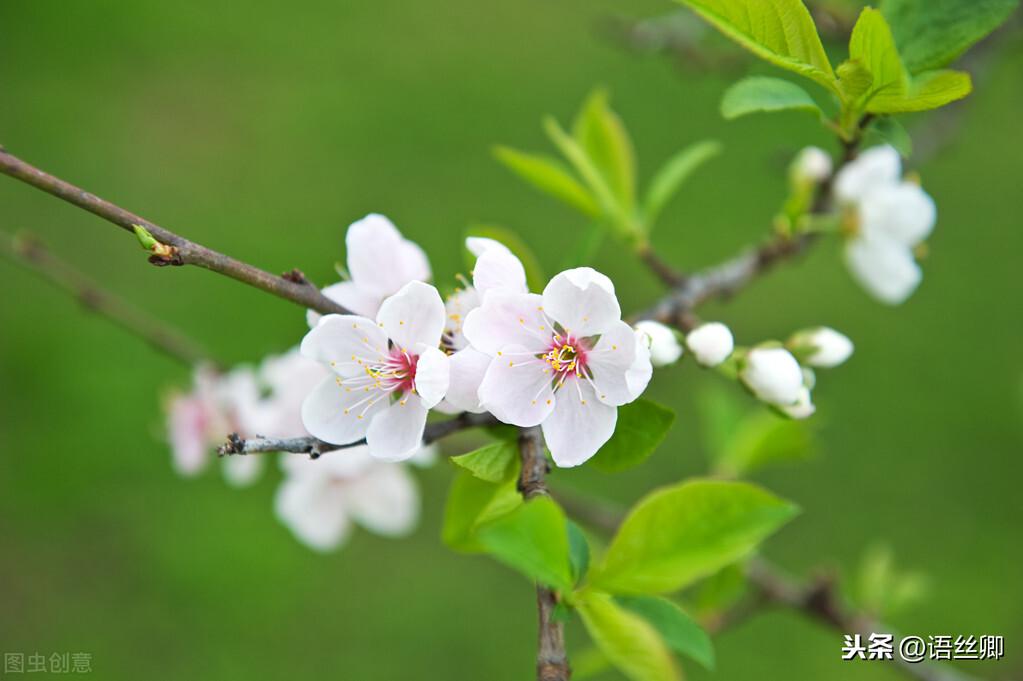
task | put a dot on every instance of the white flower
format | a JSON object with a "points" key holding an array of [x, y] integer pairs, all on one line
{"points": [[320, 499], [380, 262], [711, 343], [661, 341], [388, 373], [802, 408], [822, 347], [812, 165], [564, 360], [891, 218], [773, 375]]}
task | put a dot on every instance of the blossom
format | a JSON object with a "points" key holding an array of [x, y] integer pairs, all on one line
{"points": [[380, 262], [386, 374], [773, 374], [319, 500], [563, 360], [822, 347], [812, 165], [802, 408], [661, 341], [889, 218], [711, 343]]}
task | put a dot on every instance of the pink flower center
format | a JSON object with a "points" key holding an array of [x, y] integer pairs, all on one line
{"points": [[566, 356], [393, 374]]}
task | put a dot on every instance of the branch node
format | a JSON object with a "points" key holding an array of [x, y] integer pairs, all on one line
{"points": [[296, 276]]}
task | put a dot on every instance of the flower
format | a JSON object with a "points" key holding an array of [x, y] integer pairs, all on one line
{"points": [[821, 347], [802, 408], [320, 499], [890, 217], [711, 343], [812, 165], [661, 341], [380, 262], [386, 374], [563, 360], [773, 374]]}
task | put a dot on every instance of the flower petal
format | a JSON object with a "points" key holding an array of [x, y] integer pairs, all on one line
{"points": [[456, 307], [334, 414], [468, 367], [517, 388], [582, 300], [496, 267], [396, 433], [507, 318], [313, 510], [903, 212], [432, 375], [639, 374], [380, 259], [885, 269], [242, 471], [385, 501], [342, 341], [876, 167], [579, 425], [609, 363], [413, 315], [355, 300], [187, 432]]}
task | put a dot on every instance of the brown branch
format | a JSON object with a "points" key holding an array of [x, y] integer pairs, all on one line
{"points": [[551, 658], [32, 254], [171, 249], [315, 448]]}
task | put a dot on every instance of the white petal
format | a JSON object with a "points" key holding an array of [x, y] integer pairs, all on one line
{"points": [[498, 269], [187, 432], [456, 307], [337, 339], [413, 315], [468, 366], [385, 501], [903, 212], [332, 412], [478, 245], [380, 260], [425, 456], [873, 168], [243, 470], [711, 343], [639, 374], [582, 300], [661, 341], [355, 300], [579, 425], [802, 408], [826, 347], [773, 375], [887, 270], [812, 165], [609, 363], [396, 432], [432, 375], [313, 510], [507, 318], [517, 388]]}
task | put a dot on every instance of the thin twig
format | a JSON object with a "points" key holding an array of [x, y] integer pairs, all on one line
{"points": [[171, 249], [31, 253], [551, 658]]}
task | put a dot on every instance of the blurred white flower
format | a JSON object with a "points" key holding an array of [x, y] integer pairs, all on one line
{"points": [[802, 408], [711, 343], [773, 375], [661, 341], [812, 165], [821, 347]]}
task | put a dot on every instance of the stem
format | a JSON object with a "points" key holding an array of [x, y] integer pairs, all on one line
{"points": [[181, 251]]}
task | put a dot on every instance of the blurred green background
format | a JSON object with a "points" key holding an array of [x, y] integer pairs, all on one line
{"points": [[263, 131]]}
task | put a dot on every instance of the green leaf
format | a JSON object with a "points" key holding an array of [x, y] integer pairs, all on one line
{"points": [[472, 502], [888, 130], [873, 47], [588, 663], [854, 80], [534, 271], [722, 589], [934, 33], [928, 90], [490, 462], [762, 438], [680, 631], [630, 643], [756, 93], [641, 427], [672, 175], [532, 539], [600, 132], [549, 176], [578, 551], [681, 533], [781, 32]]}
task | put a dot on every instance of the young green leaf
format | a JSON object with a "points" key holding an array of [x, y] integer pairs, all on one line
{"points": [[642, 425], [601, 133], [928, 90], [534, 271], [680, 631], [781, 32], [630, 643], [672, 175], [888, 130], [549, 176], [872, 46], [578, 551], [532, 539], [756, 93], [854, 80], [932, 34], [678, 534], [472, 502], [490, 462], [763, 438]]}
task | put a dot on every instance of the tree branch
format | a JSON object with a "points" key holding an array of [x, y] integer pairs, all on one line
{"points": [[551, 658], [173, 249], [28, 251]]}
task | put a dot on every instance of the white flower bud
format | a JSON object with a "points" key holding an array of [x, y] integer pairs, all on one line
{"points": [[662, 342], [802, 408], [711, 343], [773, 375], [813, 164], [824, 347]]}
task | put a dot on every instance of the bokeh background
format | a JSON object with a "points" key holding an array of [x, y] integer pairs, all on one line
{"points": [[263, 130]]}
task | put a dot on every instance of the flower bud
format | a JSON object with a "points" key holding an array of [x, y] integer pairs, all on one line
{"points": [[773, 375], [821, 347], [662, 342], [711, 343], [812, 165], [802, 408]]}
